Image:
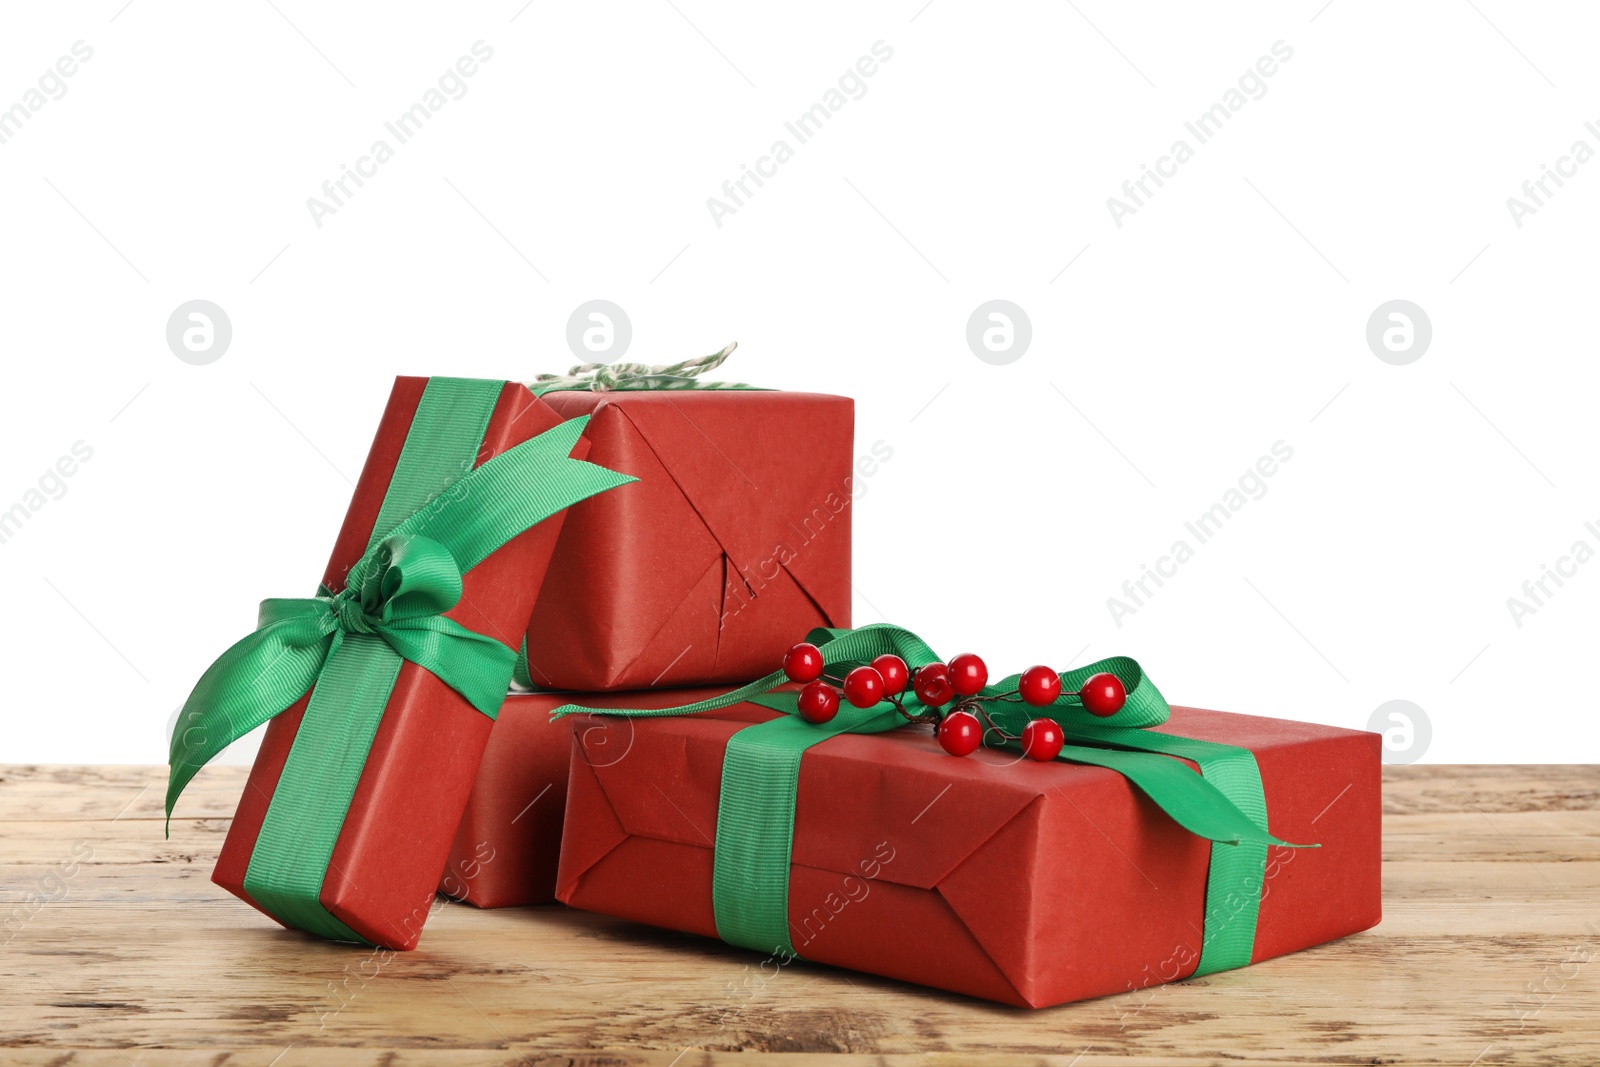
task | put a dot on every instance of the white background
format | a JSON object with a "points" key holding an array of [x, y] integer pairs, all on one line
{"points": [[1227, 314]]}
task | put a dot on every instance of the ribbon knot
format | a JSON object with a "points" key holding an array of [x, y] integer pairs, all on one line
{"points": [[397, 593], [404, 578], [350, 615]]}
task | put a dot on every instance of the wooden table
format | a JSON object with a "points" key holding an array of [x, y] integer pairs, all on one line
{"points": [[1492, 916]]}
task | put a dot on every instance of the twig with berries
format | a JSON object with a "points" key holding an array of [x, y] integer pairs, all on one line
{"points": [[967, 723]]}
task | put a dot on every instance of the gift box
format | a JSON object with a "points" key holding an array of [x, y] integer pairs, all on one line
{"points": [[509, 840], [1022, 882], [381, 691], [735, 537]]}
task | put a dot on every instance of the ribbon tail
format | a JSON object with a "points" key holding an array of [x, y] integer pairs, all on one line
{"points": [[519, 488], [475, 666], [737, 696], [839, 647], [520, 672], [1194, 803], [257, 678]]}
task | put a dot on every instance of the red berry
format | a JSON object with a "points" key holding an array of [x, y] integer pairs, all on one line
{"points": [[960, 733], [967, 674], [932, 685], [863, 687], [1039, 685], [1103, 694], [803, 662], [892, 669], [819, 702], [1042, 740]]}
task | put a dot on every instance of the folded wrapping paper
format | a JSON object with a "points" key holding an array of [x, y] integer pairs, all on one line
{"points": [[380, 692], [1027, 883], [735, 538], [509, 840], [1214, 791]]}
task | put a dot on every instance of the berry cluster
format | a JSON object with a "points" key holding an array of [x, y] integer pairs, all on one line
{"points": [[962, 726]]}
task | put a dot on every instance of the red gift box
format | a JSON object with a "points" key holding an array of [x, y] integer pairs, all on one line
{"points": [[509, 840], [420, 768], [735, 538], [1027, 883]]}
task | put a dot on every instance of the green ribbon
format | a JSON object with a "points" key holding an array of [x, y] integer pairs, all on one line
{"points": [[1223, 803], [441, 517], [755, 820]]}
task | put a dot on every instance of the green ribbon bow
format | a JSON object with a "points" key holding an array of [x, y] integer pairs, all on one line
{"points": [[607, 377], [347, 648], [1223, 803]]}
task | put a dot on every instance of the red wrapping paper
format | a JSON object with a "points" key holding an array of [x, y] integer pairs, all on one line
{"points": [[1026, 883], [509, 840], [420, 769], [735, 538]]}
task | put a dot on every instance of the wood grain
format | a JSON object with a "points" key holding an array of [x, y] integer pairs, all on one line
{"points": [[116, 948]]}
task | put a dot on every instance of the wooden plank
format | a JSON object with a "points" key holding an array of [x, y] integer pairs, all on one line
{"points": [[68, 792], [1491, 788], [1492, 910]]}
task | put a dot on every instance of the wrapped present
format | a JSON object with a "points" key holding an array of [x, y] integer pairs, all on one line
{"points": [[1139, 854], [379, 692], [509, 841], [735, 538]]}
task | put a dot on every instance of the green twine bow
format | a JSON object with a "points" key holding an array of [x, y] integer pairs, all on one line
{"points": [[396, 593], [607, 377], [1223, 803]]}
